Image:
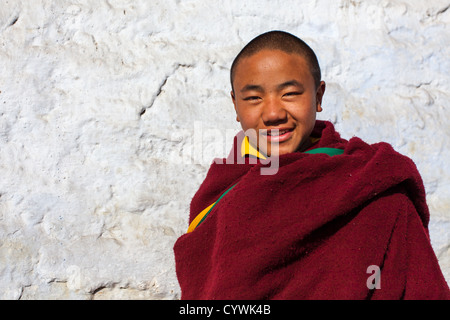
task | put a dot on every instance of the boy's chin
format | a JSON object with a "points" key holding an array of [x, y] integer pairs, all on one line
{"points": [[276, 151]]}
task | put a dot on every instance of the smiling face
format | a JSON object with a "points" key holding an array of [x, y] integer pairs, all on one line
{"points": [[275, 90]]}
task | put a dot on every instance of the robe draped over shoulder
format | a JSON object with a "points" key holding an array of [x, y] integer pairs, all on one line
{"points": [[320, 228]]}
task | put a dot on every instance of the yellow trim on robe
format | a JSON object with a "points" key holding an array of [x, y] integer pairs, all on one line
{"points": [[248, 149], [198, 218]]}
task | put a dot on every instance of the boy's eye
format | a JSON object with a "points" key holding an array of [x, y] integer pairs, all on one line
{"points": [[293, 93], [251, 98]]}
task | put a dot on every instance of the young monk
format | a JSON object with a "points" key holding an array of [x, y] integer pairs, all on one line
{"points": [[337, 219]]}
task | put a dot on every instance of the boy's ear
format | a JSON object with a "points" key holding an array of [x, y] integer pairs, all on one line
{"points": [[319, 95], [234, 103]]}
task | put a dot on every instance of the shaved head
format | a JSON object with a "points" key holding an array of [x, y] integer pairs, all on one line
{"points": [[279, 40]]}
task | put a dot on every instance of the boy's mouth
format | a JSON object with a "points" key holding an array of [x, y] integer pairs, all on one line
{"points": [[278, 135]]}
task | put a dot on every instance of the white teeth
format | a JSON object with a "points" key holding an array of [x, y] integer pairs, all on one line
{"points": [[274, 132]]}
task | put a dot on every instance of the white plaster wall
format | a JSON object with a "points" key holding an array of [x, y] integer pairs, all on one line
{"points": [[102, 102]]}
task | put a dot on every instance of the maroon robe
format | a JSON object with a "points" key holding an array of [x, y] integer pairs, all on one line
{"points": [[320, 228]]}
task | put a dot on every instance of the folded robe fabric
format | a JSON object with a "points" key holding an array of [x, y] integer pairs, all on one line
{"points": [[317, 229]]}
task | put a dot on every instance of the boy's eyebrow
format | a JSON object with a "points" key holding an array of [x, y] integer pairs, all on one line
{"points": [[255, 87], [252, 87], [289, 83]]}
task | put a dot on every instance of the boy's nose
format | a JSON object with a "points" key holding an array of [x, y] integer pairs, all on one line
{"points": [[273, 112]]}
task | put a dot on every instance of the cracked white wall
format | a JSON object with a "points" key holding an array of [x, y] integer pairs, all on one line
{"points": [[99, 101]]}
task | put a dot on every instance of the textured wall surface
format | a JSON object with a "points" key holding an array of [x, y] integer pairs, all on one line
{"points": [[112, 110]]}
